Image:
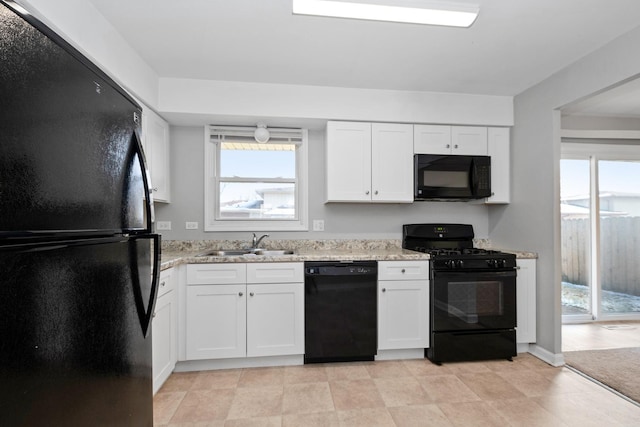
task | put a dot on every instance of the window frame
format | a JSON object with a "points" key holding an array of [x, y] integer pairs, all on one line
{"points": [[595, 151], [212, 185]]}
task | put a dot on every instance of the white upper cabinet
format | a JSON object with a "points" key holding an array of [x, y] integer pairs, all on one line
{"points": [[369, 162], [499, 149], [155, 135], [442, 139], [348, 161], [431, 139], [469, 140]]}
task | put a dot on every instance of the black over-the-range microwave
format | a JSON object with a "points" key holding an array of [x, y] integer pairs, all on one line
{"points": [[451, 177]]}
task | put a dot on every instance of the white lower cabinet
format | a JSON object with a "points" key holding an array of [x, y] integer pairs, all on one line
{"points": [[164, 330], [403, 305], [244, 310], [216, 321], [275, 319], [526, 301]]}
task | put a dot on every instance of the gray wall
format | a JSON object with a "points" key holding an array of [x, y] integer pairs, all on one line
{"points": [[342, 220], [532, 220], [600, 123]]}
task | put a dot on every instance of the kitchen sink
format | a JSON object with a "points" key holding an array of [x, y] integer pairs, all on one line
{"points": [[270, 252], [241, 252], [225, 252]]}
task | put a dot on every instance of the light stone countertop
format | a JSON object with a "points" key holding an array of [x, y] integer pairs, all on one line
{"points": [[172, 259], [175, 253]]}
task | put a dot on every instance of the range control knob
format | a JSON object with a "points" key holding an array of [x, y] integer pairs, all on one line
{"points": [[493, 263], [450, 263], [460, 263]]}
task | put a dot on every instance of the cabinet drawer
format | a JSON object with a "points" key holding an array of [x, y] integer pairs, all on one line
{"points": [[277, 272], [216, 274], [166, 282], [403, 270]]}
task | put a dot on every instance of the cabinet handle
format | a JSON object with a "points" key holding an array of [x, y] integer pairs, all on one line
{"points": [[155, 189], [403, 271], [448, 146], [162, 284], [367, 192], [154, 315], [240, 293], [384, 289], [251, 294], [376, 192], [455, 146]]}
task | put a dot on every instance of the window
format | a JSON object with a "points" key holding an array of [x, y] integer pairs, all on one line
{"points": [[251, 186]]}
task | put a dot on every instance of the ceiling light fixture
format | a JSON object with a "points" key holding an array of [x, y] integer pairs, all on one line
{"points": [[407, 11], [261, 133]]}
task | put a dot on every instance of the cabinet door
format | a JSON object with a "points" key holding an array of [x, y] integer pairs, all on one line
{"points": [[403, 314], [164, 341], [391, 162], [275, 319], [216, 321], [526, 301], [469, 140], [157, 151], [498, 148], [348, 174], [431, 139]]}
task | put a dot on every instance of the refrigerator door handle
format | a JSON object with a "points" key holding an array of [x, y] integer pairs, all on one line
{"points": [[145, 316], [146, 180]]}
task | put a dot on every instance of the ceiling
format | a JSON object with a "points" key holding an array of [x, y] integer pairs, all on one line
{"points": [[513, 44]]}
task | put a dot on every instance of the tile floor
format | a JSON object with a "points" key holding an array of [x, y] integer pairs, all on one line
{"points": [[600, 336], [525, 392]]}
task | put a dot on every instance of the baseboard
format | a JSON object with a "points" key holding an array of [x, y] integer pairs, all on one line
{"points": [[411, 353], [245, 362], [552, 359]]}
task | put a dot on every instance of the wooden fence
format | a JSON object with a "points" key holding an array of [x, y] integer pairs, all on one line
{"points": [[620, 253]]}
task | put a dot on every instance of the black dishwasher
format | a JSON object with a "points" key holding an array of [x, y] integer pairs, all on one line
{"points": [[341, 311]]}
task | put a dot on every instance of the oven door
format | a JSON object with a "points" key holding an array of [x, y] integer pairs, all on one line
{"points": [[473, 301]]}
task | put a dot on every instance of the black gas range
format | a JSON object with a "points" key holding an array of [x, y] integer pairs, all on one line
{"points": [[472, 294], [451, 247]]}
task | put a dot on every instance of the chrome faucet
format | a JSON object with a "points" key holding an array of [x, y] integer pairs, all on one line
{"points": [[256, 241]]}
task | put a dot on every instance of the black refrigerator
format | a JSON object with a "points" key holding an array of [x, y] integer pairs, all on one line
{"points": [[78, 257]]}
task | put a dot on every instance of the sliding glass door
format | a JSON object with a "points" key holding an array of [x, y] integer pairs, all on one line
{"points": [[619, 237], [600, 228]]}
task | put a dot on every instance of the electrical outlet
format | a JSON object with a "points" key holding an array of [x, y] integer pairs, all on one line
{"points": [[318, 225], [163, 225], [191, 225]]}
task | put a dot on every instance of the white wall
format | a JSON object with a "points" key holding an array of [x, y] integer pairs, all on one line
{"points": [[81, 25], [532, 220], [205, 98], [342, 220]]}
